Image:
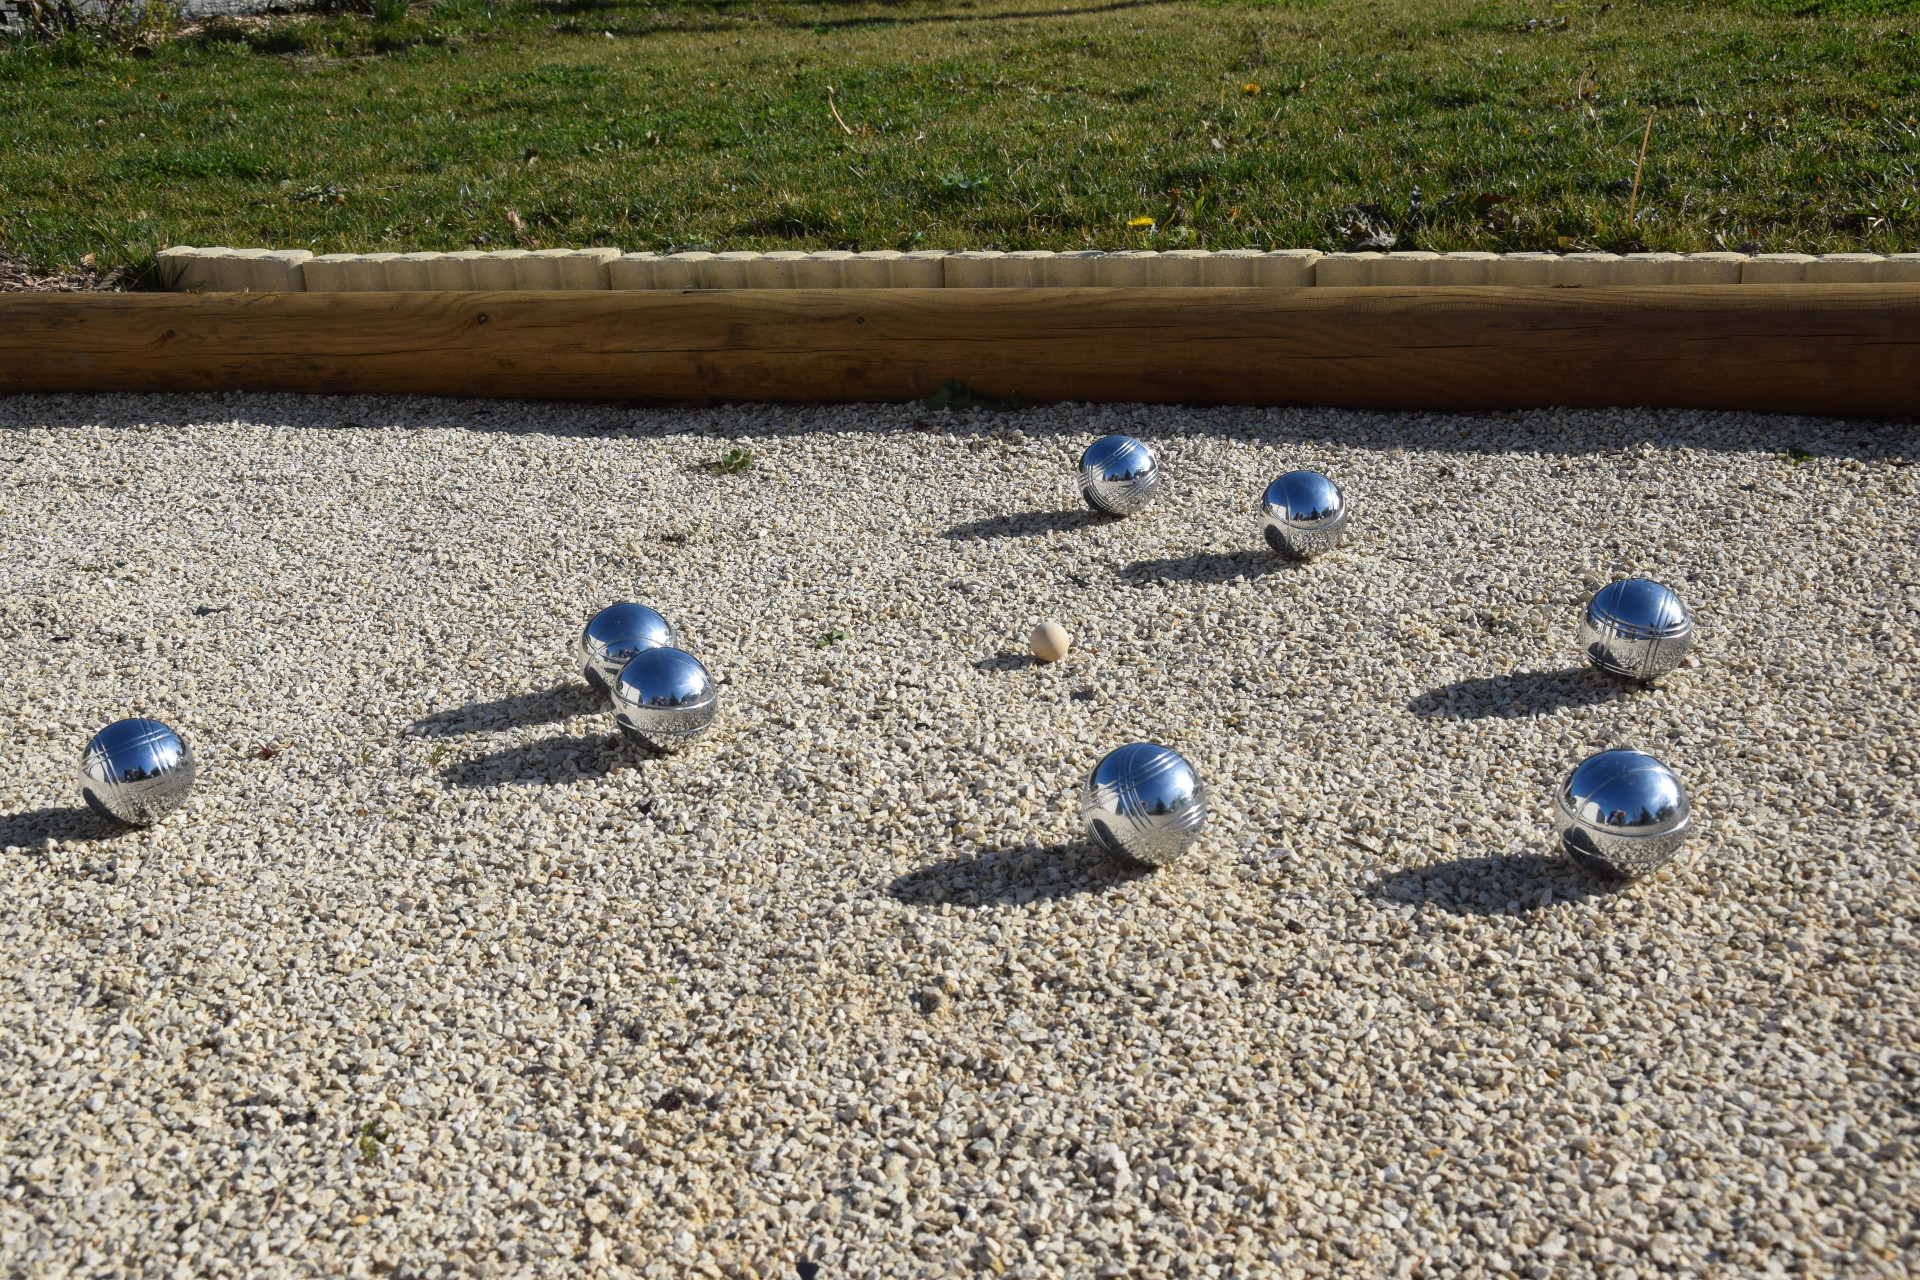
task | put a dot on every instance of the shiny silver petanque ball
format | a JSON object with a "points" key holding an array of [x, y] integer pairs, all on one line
{"points": [[664, 699], [1119, 475], [1635, 628], [613, 635], [1144, 803], [1622, 814], [1306, 514], [136, 771]]}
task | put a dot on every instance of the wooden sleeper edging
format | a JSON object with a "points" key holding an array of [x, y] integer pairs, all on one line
{"points": [[1798, 348]]}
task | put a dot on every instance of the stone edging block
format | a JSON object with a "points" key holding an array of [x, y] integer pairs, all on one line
{"points": [[1832, 268], [185, 269], [282, 270], [468, 269]]}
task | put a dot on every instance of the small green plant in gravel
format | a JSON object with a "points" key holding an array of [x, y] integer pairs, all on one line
{"points": [[762, 124], [955, 394], [829, 638], [733, 462], [370, 1139]]}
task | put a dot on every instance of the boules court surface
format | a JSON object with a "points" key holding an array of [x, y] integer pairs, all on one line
{"points": [[434, 971]]}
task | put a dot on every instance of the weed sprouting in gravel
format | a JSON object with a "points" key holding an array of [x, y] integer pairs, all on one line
{"points": [[733, 462], [371, 1138], [955, 394]]}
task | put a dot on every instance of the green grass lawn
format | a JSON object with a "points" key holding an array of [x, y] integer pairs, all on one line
{"points": [[1441, 124]]}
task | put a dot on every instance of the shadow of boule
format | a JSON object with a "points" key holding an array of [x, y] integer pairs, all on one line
{"points": [[559, 758], [1521, 694], [541, 706], [32, 827], [1208, 566], [1515, 885], [1028, 524], [1015, 876]]}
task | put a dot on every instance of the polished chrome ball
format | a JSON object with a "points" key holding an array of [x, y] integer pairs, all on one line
{"points": [[1119, 475], [137, 771], [663, 699], [613, 635], [1144, 803], [1306, 514], [1622, 814], [1635, 628]]}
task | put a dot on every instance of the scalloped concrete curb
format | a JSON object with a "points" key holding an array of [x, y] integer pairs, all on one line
{"points": [[223, 270]]}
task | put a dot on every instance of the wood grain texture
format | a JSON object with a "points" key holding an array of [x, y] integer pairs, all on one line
{"points": [[1825, 349]]}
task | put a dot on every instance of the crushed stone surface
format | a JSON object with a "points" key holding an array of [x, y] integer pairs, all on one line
{"points": [[435, 977]]}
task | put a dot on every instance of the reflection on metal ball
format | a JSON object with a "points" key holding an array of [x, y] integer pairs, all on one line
{"points": [[1306, 514], [613, 635], [1621, 814], [663, 699], [1119, 475], [1635, 628], [1144, 803], [137, 771]]}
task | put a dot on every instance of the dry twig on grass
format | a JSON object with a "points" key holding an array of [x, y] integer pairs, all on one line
{"points": [[836, 112], [1634, 199]]}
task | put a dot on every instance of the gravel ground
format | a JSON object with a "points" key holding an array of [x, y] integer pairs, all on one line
{"points": [[435, 977]]}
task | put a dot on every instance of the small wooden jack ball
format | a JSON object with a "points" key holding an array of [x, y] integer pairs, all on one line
{"points": [[1049, 642]]}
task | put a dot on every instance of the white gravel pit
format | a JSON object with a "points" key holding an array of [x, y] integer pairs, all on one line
{"points": [[436, 977]]}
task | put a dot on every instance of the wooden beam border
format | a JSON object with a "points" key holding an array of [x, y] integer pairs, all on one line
{"points": [[1820, 349]]}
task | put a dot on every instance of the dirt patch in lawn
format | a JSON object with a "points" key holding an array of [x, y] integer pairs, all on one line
{"points": [[17, 277]]}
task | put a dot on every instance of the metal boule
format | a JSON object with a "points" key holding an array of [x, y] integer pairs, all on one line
{"points": [[1306, 514], [663, 699], [1622, 814], [1144, 803], [1635, 628], [136, 771], [1119, 475], [613, 635]]}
